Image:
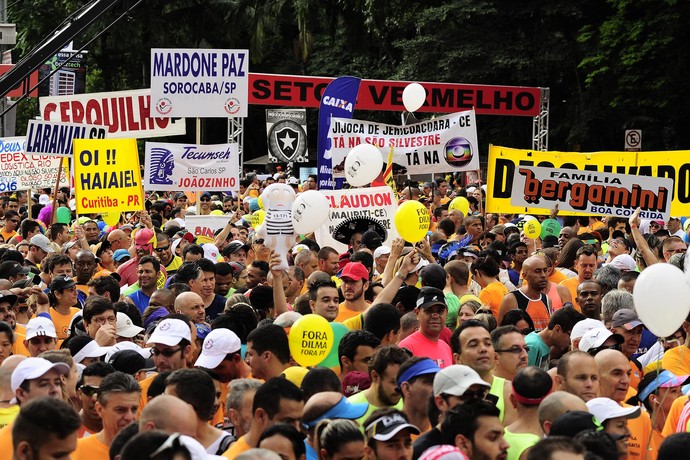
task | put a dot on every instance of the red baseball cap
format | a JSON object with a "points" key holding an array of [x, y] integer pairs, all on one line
{"points": [[355, 271]]}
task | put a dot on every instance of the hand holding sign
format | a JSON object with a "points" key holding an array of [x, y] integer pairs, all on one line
{"points": [[310, 339]]}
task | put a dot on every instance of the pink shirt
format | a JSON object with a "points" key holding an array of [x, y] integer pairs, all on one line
{"points": [[419, 345]]}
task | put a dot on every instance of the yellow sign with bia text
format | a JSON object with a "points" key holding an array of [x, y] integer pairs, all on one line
{"points": [[504, 162], [107, 177]]}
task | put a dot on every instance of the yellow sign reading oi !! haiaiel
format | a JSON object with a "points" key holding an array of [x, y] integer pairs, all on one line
{"points": [[503, 163], [107, 177]]}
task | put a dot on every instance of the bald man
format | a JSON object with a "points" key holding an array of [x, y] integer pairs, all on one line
{"points": [[578, 374], [557, 404], [170, 414], [529, 297], [191, 305], [119, 240], [614, 382]]}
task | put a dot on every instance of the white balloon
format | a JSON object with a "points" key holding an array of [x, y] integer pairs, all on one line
{"points": [[529, 217], [309, 211], [413, 97], [662, 298], [362, 165]]}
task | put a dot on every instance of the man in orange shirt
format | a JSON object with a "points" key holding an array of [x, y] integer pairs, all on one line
{"points": [[45, 428], [31, 379], [585, 264], [117, 404], [355, 278]]}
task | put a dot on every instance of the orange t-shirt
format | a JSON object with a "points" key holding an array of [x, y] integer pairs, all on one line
{"points": [[492, 295], [18, 347], [673, 416], [572, 284], [344, 313], [640, 433], [237, 448], [144, 385], [219, 418], [677, 360], [91, 448], [557, 277], [6, 446], [62, 322]]}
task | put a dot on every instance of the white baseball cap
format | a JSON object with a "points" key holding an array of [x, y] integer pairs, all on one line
{"points": [[456, 379], [33, 368], [596, 338], [40, 326], [217, 344], [126, 345], [605, 409], [125, 327], [90, 350], [381, 251], [586, 325], [169, 332]]}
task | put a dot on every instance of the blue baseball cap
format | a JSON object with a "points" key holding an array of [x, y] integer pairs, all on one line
{"points": [[120, 254], [423, 367], [665, 379], [343, 409]]}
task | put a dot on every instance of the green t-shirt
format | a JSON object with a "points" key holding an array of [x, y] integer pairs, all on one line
{"points": [[538, 351], [360, 398], [453, 304]]}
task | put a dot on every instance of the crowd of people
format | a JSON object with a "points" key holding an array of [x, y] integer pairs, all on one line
{"points": [[141, 340]]}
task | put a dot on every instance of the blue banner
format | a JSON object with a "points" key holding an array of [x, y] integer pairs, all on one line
{"points": [[338, 100]]}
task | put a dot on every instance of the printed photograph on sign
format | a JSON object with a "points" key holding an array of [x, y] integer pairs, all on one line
{"points": [[356, 211], [125, 114], [439, 145], [175, 167], [286, 131], [199, 83], [592, 192]]}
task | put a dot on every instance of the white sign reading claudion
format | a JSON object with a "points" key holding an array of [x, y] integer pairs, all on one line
{"points": [[592, 192], [373, 205], [191, 167], [200, 83]]}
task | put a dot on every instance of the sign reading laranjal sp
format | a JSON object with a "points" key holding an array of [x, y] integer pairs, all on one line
{"points": [[592, 192], [503, 164], [107, 176]]}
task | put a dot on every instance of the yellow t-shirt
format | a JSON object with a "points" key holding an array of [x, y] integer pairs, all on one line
{"points": [[677, 360], [62, 322], [91, 448], [7, 235], [492, 295], [237, 448], [355, 323], [8, 414]]}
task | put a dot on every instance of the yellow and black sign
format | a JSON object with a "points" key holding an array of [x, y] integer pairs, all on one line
{"points": [[503, 163]]}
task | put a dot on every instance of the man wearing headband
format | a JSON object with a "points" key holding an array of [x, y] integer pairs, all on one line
{"points": [[415, 382], [530, 386], [389, 435]]}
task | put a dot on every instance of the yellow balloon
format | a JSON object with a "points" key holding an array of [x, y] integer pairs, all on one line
{"points": [[532, 229], [217, 212], [461, 204], [310, 339], [261, 203], [110, 218], [257, 218], [412, 221]]}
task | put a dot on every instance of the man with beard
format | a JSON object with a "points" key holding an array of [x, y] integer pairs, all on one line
{"points": [[328, 260], [511, 351], [383, 391], [147, 274], [88, 386], [355, 281], [143, 245], [585, 264], [529, 297], [170, 261], [475, 428], [431, 312], [236, 251], [556, 336], [589, 299]]}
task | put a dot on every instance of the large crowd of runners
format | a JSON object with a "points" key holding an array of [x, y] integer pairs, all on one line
{"points": [[142, 341]]}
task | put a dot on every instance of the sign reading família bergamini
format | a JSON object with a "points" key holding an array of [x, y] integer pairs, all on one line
{"points": [[592, 192]]}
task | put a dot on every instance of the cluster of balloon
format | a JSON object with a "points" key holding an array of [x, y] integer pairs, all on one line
{"points": [[412, 221], [662, 298], [362, 165], [311, 340]]}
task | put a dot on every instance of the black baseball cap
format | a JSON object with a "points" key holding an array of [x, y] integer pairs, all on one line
{"points": [[12, 268], [429, 296], [572, 423], [61, 282]]}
